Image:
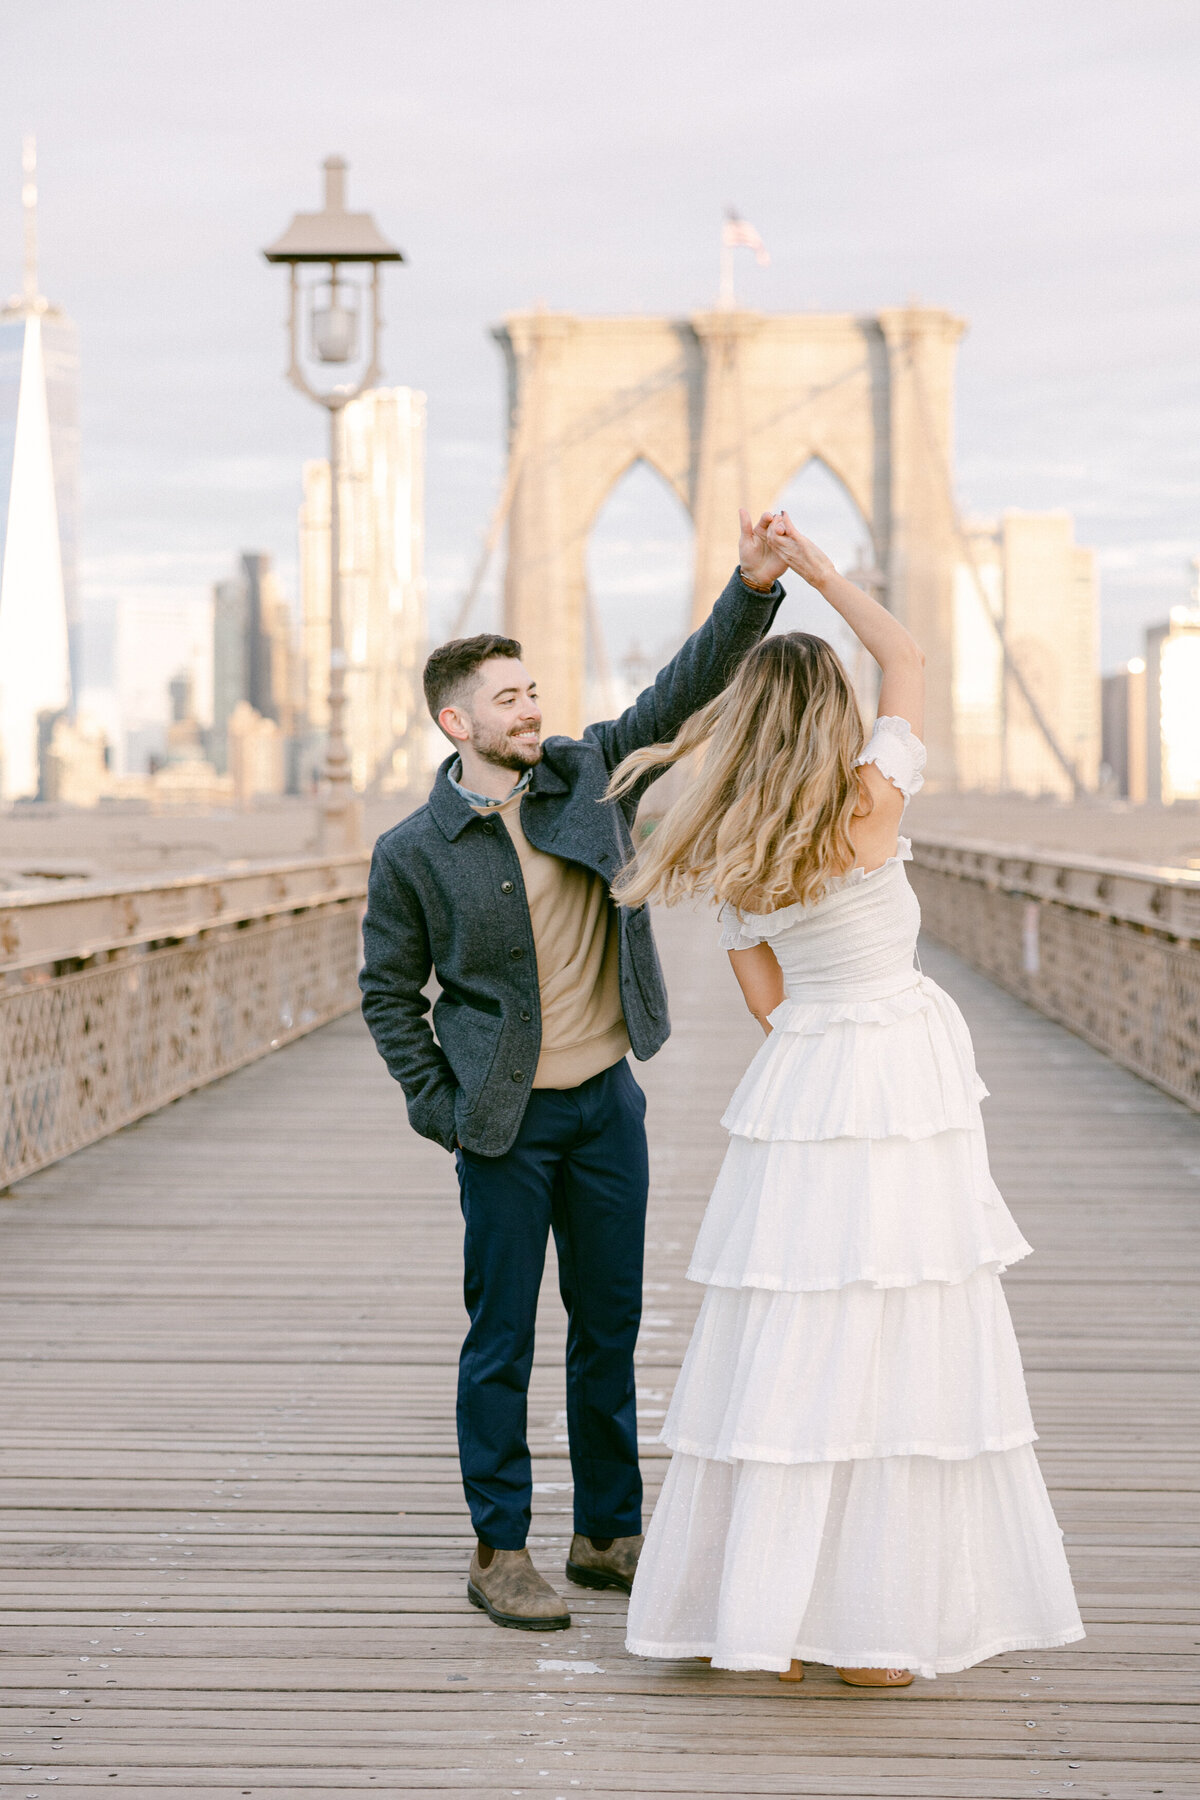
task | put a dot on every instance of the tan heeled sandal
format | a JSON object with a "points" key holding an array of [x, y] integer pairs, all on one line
{"points": [[877, 1678], [795, 1673]]}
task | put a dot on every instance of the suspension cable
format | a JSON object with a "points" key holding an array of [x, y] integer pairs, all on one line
{"points": [[1011, 667]]}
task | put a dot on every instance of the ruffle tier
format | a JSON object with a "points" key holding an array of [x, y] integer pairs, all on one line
{"points": [[903, 1562], [853, 1479], [800, 1216], [932, 1370], [900, 1066]]}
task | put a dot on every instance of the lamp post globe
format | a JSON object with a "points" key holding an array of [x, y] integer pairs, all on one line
{"points": [[331, 329], [334, 331]]}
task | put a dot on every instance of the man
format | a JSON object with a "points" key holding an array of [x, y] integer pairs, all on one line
{"points": [[499, 885]]}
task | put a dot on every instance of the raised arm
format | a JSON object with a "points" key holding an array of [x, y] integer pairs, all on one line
{"points": [[902, 690], [742, 615]]}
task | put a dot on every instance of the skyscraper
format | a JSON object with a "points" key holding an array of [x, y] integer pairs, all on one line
{"points": [[253, 655], [230, 662], [271, 686], [39, 477], [1173, 707], [1124, 740], [382, 498]]}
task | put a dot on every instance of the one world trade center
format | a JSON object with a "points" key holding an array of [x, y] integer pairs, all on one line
{"points": [[39, 482]]}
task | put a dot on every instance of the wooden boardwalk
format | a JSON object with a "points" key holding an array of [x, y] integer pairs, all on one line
{"points": [[232, 1538]]}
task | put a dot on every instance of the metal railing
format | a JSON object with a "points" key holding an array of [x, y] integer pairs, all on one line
{"points": [[116, 999], [1109, 949]]}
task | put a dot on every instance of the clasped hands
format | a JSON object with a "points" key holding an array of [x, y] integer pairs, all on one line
{"points": [[765, 550]]}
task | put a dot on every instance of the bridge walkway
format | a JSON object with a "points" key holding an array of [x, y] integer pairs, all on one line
{"points": [[232, 1538]]}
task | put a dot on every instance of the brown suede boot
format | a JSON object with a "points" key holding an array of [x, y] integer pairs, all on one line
{"points": [[611, 1568], [511, 1592]]}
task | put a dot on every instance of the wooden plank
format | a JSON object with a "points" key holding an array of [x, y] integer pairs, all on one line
{"points": [[227, 1349]]}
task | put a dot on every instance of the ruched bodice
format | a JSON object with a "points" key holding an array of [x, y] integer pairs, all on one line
{"points": [[857, 942]]}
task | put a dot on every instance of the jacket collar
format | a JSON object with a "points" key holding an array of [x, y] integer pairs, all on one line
{"points": [[484, 802], [453, 812]]}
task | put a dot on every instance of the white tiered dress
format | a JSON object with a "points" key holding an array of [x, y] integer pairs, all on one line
{"points": [[853, 1479]]}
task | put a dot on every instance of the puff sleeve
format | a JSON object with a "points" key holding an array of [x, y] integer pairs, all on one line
{"points": [[897, 753], [736, 932]]}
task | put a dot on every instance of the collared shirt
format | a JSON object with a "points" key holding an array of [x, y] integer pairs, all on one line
{"points": [[576, 940], [483, 802]]}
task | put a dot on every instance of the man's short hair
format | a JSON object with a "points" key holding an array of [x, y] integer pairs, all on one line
{"points": [[449, 673]]}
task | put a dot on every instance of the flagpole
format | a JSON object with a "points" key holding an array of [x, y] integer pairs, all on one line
{"points": [[725, 298]]}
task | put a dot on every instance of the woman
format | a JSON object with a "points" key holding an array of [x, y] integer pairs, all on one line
{"points": [[853, 1480]]}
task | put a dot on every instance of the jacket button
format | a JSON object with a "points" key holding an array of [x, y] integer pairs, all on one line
{"points": [[516, 953], [525, 1018], [489, 829], [518, 1074], [506, 887]]}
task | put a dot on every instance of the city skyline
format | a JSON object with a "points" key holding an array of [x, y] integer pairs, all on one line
{"points": [[1055, 220]]}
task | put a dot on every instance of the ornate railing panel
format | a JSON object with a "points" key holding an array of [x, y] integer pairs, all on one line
{"points": [[1111, 950], [116, 1000]]}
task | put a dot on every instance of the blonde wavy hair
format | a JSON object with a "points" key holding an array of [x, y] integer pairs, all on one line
{"points": [[765, 819]]}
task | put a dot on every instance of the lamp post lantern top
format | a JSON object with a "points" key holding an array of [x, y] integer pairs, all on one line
{"points": [[333, 235]]}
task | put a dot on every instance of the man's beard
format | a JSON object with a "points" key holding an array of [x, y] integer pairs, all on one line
{"points": [[505, 751]]}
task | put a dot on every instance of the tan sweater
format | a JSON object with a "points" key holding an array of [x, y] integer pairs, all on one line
{"points": [[576, 939]]}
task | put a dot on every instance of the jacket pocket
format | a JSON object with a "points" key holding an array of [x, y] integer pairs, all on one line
{"points": [[647, 971], [471, 1040]]}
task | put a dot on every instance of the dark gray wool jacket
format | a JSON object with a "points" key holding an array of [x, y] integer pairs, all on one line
{"points": [[446, 896]]}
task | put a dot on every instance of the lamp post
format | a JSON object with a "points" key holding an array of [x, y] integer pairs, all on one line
{"points": [[335, 238]]}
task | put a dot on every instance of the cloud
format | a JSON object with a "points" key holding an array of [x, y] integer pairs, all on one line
{"points": [[1028, 166]]}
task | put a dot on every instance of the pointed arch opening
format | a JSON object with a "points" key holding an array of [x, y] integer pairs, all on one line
{"points": [[821, 507], [638, 571]]}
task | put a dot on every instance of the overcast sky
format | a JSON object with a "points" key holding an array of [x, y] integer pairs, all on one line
{"points": [[1031, 166]]}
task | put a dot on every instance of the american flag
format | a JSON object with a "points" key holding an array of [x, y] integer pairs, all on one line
{"points": [[739, 234]]}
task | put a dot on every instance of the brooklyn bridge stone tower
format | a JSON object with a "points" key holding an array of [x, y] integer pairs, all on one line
{"points": [[728, 405]]}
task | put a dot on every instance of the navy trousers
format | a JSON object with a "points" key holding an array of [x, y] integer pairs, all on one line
{"points": [[578, 1168]]}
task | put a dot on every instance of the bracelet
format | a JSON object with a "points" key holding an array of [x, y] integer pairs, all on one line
{"points": [[752, 585]]}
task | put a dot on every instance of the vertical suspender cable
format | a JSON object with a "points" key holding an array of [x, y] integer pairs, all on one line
{"points": [[1012, 668]]}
